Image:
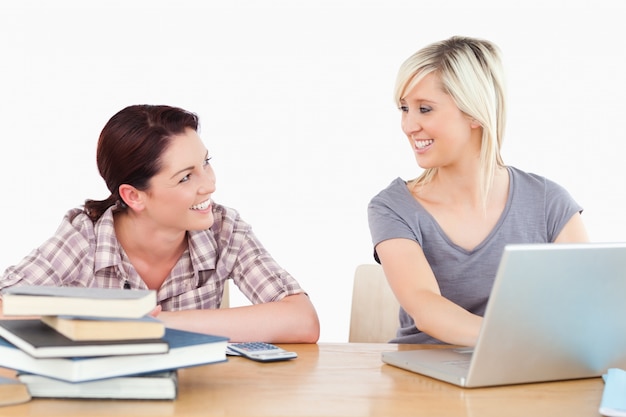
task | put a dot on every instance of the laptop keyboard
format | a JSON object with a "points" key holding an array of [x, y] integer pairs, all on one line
{"points": [[467, 350], [463, 364]]}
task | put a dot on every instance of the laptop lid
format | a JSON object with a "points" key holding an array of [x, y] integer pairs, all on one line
{"points": [[556, 312]]}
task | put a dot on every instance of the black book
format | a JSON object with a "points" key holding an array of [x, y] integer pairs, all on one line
{"points": [[42, 341]]}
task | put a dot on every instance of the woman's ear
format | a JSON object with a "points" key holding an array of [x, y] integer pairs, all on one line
{"points": [[475, 124], [131, 196]]}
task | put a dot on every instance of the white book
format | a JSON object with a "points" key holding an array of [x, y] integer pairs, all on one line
{"points": [[152, 386], [33, 300], [613, 403]]}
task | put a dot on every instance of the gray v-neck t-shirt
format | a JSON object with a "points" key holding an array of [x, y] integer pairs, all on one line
{"points": [[536, 211]]}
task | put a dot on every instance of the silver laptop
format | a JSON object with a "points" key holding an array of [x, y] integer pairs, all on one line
{"points": [[556, 312]]}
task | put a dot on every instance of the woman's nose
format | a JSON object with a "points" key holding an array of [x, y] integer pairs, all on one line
{"points": [[208, 181], [410, 124]]}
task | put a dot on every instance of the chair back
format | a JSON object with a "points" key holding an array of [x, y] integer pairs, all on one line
{"points": [[226, 295], [374, 314]]}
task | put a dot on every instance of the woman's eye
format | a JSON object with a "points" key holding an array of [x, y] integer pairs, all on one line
{"points": [[404, 109], [185, 178], [424, 109], [207, 161]]}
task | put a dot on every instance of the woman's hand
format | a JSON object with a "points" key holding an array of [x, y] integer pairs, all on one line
{"points": [[157, 310]]}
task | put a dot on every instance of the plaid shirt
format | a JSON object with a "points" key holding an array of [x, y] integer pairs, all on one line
{"points": [[87, 254]]}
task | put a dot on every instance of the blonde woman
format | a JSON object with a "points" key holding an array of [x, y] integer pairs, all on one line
{"points": [[440, 237]]}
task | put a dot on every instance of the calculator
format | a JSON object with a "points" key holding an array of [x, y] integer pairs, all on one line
{"points": [[261, 351]]}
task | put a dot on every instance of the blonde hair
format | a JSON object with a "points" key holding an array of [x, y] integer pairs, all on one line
{"points": [[471, 72]]}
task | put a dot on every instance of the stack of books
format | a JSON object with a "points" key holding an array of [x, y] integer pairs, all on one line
{"points": [[97, 343]]}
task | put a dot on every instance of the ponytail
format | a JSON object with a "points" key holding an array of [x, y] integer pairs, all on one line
{"points": [[96, 208]]}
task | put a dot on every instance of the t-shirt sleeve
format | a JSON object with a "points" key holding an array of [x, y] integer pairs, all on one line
{"points": [[560, 207], [386, 218]]}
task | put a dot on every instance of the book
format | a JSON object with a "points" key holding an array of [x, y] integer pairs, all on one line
{"points": [[42, 341], [13, 391], [613, 402], [152, 386], [100, 328], [187, 349], [30, 300]]}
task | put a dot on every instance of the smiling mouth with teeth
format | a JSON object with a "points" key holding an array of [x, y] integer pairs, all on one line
{"points": [[421, 144], [201, 206]]}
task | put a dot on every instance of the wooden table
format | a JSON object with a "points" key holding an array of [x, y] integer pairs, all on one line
{"points": [[344, 379]]}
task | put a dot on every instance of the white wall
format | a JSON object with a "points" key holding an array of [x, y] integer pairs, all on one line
{"points": [[295, 104]]}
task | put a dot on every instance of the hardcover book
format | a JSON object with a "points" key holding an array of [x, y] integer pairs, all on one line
{"points": [[29, 300], [99, 328], [613, 403], [187, 349], [42, 341], [152, 386]]}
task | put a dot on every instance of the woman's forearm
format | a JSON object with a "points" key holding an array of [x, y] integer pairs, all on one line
{"points": [[290, 320]]}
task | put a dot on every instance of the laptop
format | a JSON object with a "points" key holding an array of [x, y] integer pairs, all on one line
{"points": [[556, 312]]}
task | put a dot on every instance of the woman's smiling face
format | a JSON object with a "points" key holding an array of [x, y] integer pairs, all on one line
{"points": [[179, 196], [439, 133]]}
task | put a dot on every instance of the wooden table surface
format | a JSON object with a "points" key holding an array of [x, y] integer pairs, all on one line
{"points": [[328, 379]]}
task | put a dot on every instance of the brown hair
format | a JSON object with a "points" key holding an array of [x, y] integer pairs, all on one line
{"points": [[130, 148]]}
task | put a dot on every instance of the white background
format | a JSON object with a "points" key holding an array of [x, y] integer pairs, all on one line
{"points": [[295, 102]]}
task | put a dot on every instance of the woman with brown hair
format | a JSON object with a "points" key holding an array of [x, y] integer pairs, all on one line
{"points": [[160, 229]]}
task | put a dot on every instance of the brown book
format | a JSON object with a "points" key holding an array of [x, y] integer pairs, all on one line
{"points": [[13, 391], [95, 328]]}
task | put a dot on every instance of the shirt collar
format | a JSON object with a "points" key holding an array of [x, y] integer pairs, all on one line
{"points": [[202, 249], [107, 252], [202, 246]]}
